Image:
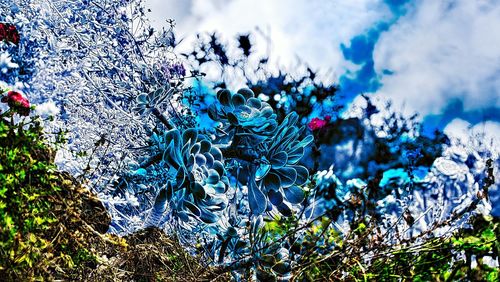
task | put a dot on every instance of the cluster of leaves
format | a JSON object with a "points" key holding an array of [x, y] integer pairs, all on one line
{"points": [[372, 148]]}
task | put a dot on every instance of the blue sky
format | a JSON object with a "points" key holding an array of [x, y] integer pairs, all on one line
{"points": [[438, 58]]}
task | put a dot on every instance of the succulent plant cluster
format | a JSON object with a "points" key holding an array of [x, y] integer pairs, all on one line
{"points": [[196, 180], [268, 152]]}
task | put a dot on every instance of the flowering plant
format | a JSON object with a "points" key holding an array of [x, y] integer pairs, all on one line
{"points": [[17, 102]]}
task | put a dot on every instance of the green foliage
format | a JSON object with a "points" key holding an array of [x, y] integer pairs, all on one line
{"points": [[26, 182], [29, 184], [459, 256]]}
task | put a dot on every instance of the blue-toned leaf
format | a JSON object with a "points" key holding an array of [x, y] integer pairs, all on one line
{"points": [[224, 97], [294, 194], [305, 142], [238, 100], [169, 191], [272, 182], [216, 153], [232, 118], [279, 160], [143, 99], [295, 155], [220, 187], [170, 157], [208, 217], [302, 174], [213, 113], [195, 149], [254, 103], [275, 197], [224, 179], [293, 117], [192, 208], [285, 209], [288, 175], [190, 136], [183, 216], [200, 160], [213, 177], [269, 206], [175, 136], [256, 199], [245, 109], [198, 191], [262, 171], [205, 146], [209, 158], [219, 167], [215, 203], [180, 177], [247, 93], [140, 172], [267, 112], [158, 209]]}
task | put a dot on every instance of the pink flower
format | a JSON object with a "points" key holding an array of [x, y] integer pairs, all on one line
{"points": [[17, 102], [317, 123]]}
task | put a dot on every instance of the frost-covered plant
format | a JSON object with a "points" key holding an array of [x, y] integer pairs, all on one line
{"points": [[97, 58], [93, 61]]}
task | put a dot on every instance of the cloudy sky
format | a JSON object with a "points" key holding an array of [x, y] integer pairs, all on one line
{"points": [[438, 58]]}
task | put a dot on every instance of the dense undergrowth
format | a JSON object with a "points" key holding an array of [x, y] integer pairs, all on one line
{"points": [[52, 228]]}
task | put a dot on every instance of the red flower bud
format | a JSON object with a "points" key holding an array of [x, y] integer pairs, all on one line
{"points": [[3, 31], [17, 102], [317, 123], [9, 33]]}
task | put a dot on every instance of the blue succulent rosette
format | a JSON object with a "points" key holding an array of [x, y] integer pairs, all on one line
{"points": [[243, 116], [278, 176], [196, 180]]}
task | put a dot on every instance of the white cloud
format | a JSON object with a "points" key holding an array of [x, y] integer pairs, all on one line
{"points": [[442, 50], [485, 132], [310, 29]]}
